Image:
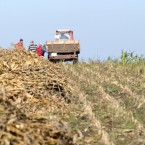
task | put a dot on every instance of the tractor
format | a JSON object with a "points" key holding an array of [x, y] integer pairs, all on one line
{"points": [[64, 47]]}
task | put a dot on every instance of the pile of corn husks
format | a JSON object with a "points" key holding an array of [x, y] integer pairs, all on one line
{"points": [[31, 89]]}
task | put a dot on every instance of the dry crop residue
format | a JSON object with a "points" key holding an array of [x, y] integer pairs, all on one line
{"points": [[112, 97], [30, 89]]}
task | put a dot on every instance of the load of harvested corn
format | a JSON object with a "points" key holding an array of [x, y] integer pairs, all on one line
{"points": [[31, 88]]}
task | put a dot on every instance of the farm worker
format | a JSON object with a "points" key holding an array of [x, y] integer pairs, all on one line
{"points": [[45, 49], [19, 45], [39, 49], [32, 46]]}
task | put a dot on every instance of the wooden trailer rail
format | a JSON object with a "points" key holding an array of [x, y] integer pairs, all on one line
{"points": [[62, 46]]}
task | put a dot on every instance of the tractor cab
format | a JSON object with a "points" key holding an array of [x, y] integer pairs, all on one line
{"points": [[64, 35]]}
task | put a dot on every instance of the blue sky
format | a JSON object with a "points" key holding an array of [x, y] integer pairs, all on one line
{"points": [[104, 27]]}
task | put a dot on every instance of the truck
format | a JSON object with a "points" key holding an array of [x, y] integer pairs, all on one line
{"points": [[64, 47]]}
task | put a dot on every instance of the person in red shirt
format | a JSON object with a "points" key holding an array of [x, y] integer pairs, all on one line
{"points": [[19, 45], [39, 49]]}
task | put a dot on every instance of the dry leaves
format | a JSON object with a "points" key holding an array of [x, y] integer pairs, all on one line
{"points": [[30, 88]]}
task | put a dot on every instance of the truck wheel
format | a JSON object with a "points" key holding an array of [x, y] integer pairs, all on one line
{"points": [[75, 61]]}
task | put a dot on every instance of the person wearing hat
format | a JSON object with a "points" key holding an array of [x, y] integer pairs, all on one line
{"points": [[19, 45], [32, 46]]}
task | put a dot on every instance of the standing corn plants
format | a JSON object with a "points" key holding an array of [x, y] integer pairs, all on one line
{"points": [[133, 61]]}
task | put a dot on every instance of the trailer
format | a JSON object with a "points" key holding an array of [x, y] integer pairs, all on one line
{"points": [[64, 47]]}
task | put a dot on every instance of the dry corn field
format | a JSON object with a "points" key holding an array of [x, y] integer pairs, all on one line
{"points": [[93, 103]]}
